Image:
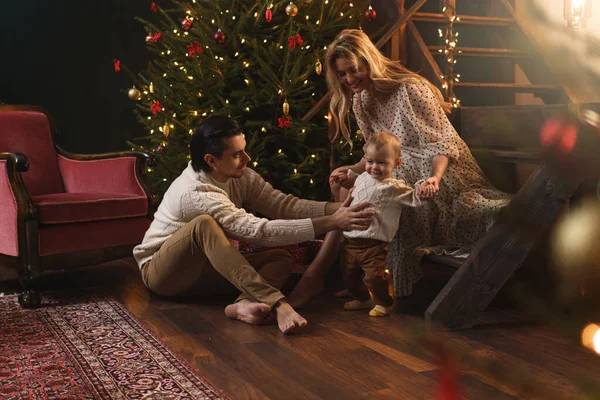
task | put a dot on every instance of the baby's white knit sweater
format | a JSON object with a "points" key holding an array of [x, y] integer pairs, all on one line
{"points": [[197, 193], [387, 196]]}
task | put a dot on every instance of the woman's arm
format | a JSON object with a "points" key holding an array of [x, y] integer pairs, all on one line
{"points": [[431, 186]]}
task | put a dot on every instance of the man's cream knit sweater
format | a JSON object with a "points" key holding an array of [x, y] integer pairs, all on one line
{"points": [[196, 193]]}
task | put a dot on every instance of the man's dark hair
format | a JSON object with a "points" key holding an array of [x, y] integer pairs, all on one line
{"points": [[208, 139]]}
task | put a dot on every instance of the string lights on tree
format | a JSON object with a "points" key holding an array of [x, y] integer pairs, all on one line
{"points": [[260, 63]]}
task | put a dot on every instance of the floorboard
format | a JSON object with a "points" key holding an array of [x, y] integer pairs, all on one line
{"points": [[347, 355]]}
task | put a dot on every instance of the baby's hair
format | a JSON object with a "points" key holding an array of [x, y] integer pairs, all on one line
{"points": [[384, 139]]}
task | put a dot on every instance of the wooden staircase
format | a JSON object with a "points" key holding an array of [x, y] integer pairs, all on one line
{"points": [[495, 59]]}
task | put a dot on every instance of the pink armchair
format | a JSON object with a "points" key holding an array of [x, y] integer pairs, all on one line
{"points": [[62, 210]]}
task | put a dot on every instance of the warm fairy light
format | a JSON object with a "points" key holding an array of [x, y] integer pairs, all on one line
{"points": [[279, 151], [165, 75], [306, 82], [191, 131], [199, 94], [195, 113], [151, 131], [255, 14], [303, 130], [189, 12], [164, 179], [312, 155], [190, 77], [168, 51], [351, 4], [247, 108], [590, 337], [307, 47], [226, 101], [149, 170], [265, 41], [255, 163], [212, 21], [247, 81], [243, 40], [295, 171], [149, 117], [204, 114], [341, 14], [317, 23], [233, 18], [312, 182]]}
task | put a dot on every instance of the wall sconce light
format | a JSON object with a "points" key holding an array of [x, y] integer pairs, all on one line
{"points": [[577, 12]]}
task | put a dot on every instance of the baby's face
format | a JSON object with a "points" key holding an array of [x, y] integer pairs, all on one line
{"points": [[380, 162]]}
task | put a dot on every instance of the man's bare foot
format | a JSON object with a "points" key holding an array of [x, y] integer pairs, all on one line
{"points": [[287, 318], [305, 290], [247, 311], [343, 293]]}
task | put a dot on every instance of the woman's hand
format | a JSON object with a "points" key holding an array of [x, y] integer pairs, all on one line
{"points": [[429, 188]]}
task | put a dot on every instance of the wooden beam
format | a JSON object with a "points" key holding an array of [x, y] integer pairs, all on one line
{"points": [[390, 32], [426, 53], [572, 97], [502, 250], [518, 88], [464, 19], [480, 52]]}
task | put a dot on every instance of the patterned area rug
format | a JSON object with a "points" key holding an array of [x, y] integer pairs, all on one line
{"points": [[88, 347]]}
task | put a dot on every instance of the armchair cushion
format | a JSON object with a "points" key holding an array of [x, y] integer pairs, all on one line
{"points": [[61, 208], [105, 175], [29, 132], [69, 238]]}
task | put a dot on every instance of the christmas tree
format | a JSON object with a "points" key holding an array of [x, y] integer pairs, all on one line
{"points": [[259, 62]]}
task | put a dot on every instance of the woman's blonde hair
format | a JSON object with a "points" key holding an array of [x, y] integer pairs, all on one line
{"points": [[355, 46]]}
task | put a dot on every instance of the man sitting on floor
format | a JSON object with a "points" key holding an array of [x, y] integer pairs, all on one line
{"points": [[186, 249]]}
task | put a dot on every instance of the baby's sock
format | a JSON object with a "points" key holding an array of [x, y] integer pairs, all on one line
{"points": [[358, 305], [378, 311]]}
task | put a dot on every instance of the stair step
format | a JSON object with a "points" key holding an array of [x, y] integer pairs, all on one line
{"points": [[480, 52], [540, 88], [464, 19]]}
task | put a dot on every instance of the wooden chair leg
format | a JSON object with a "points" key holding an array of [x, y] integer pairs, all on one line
{"points": [[502, 250]]}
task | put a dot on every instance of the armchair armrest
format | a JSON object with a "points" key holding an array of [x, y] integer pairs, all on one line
{"points": [[120, 172], [17, 207]]}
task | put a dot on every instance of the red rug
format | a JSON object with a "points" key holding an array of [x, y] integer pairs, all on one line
{"points": [[88, 347]]}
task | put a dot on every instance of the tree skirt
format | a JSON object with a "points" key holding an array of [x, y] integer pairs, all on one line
{"points": [[88, 347]]}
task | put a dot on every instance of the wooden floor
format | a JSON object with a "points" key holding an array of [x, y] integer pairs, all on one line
{"points": [[347, 355]]}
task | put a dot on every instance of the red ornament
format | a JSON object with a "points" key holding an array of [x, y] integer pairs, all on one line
{"points": [[186, 24], [194, 48], [117, 65], [559, 136], [295, 40], [153, 7], [219, 36], [284, 122], [269, 15], [155, 107], [370, 14], [153, 38]]}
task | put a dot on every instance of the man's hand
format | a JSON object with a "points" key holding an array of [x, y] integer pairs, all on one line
{"points": [[428, 189], [346, 218], [354, 217]]}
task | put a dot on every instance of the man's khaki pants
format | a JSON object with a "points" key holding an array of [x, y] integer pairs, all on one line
{"points": [[199, 259]]}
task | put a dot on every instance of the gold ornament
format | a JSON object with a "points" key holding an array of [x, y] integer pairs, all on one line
{"points": [[134, 94], [318, 67], [166, 130], [291, 9], [286, 107], [151, 87]]}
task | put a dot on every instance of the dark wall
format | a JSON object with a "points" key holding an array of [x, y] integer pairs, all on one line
{"points": [[58, 54]]}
